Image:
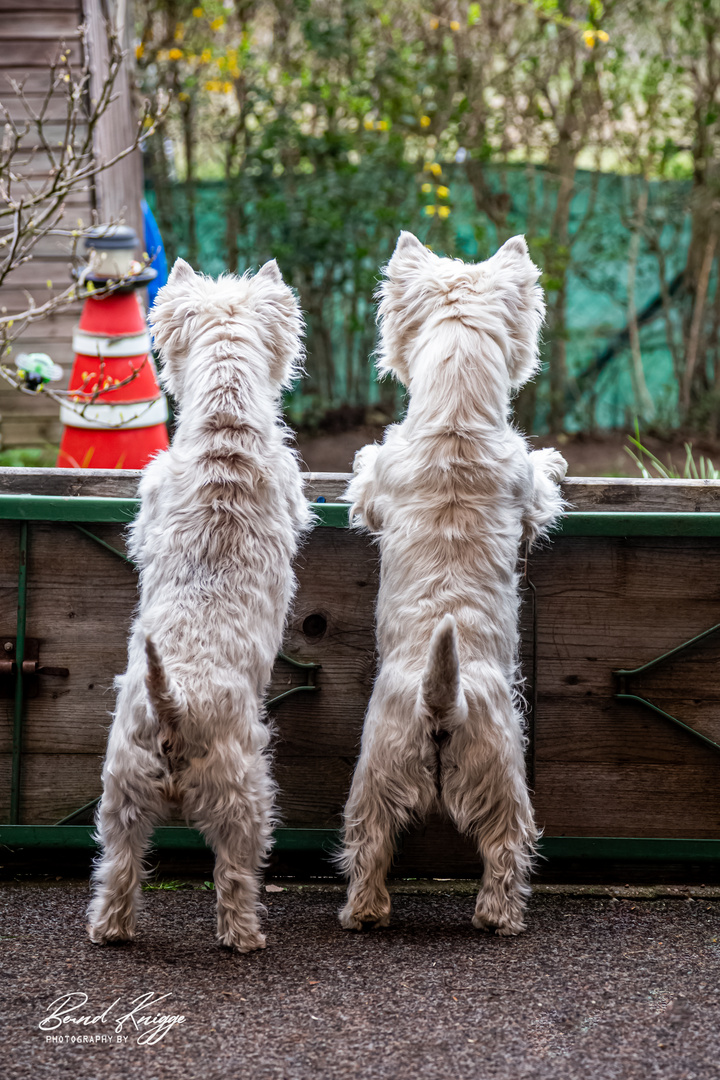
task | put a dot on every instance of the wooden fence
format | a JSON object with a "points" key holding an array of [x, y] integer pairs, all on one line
{"points": [[622, 765]]}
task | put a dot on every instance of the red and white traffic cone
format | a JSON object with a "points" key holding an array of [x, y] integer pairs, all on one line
{"points": [[115, 415]]}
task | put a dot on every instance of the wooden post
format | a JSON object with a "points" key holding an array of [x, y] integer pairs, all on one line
{"points": [[118, 190]]}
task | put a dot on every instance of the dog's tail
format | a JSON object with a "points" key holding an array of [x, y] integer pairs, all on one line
{"points": [[166, 704], [441, 690]]}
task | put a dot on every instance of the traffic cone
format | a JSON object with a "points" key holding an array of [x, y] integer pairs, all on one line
{"points": [[115, 415]]}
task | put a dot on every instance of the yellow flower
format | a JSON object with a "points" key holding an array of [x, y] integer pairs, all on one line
{"points": [[434, 23], [205, 56], [436, 169], [368, 124], [213, 85], [426, 189], [444, 211], [227, 87], [443, 191], [382, 125], [198, 12], [603, 35], [139, 50], [221, 63], [425, 121], [175, 54], [429, 210], [589, 38], [217, 24], [184, 96], [180, 31], [454, 25]]}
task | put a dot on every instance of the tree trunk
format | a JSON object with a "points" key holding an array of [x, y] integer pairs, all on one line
{"points": [[643, 400]]}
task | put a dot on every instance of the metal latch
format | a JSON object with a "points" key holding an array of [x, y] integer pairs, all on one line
{"points": [[30, 666]]}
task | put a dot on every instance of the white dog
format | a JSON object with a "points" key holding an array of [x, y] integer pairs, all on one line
{"points": [[451, 494], [219, 523]]}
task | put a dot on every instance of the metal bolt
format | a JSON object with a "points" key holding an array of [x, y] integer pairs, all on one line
{"points": [[8, 646]]}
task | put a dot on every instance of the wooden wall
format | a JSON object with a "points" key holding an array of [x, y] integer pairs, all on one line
{"points": [[603, 767], [30, 35]]}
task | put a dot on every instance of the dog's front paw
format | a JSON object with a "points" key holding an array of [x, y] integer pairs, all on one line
{"points": [[553, 464], [365, 457]]}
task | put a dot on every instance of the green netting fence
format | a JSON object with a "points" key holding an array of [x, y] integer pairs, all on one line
{"points": [[331, 239]]}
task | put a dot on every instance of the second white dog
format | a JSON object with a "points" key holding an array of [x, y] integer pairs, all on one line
{"points": [[451, 494], [217, 531]]}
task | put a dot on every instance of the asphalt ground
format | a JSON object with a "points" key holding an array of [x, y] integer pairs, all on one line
{"points": [[599, 987]]}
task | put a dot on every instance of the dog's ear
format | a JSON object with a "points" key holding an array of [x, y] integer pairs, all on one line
{"points": [[409, 254], [181, 275], [172, 319], [517, 278], [277, 307], [271, 270], [404, 297]]}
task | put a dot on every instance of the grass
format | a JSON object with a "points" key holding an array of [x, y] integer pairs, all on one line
{"points": [[651, 468]]}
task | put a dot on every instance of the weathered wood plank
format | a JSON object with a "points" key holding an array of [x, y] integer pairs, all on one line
{"points": [[11, 6], [670, 496], [610, 732], [52, 785], [56, 784], [39, 25], [121, 483], [22, 54], [29, 429], [585, 799]]}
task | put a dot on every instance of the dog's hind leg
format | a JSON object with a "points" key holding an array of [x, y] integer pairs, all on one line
{"points": [[392, 785], [235, 814], [485, 793], [130, 807]]}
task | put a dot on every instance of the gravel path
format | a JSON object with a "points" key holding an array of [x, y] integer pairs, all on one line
{"points": [[596, 989]]}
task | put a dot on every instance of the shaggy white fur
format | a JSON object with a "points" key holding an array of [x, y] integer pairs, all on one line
{"points": [[220, 518], [451, 494]]}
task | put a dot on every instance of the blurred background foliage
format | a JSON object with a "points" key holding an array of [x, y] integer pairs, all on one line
{"points": [[313, 131]]}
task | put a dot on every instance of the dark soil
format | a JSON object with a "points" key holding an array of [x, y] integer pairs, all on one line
{"points": [[587, 455]]}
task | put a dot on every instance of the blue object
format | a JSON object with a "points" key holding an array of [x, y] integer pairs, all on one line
{"points": [[156, 250]]}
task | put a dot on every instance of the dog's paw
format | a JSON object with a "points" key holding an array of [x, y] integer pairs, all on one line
{"points": [[110, 934], [246, 942], [501, 915], [365, 457], [553, 464], [501, 929], [369, 917]]}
